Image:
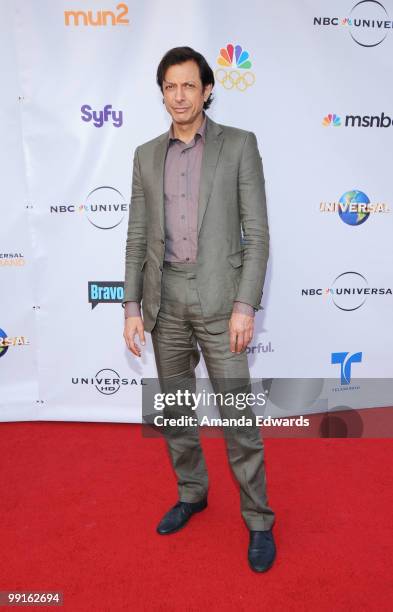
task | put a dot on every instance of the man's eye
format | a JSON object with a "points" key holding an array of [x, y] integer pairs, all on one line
{"points": [[168, 86], [190, 84]]}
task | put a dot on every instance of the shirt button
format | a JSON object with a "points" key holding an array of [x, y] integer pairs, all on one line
{"points": [[183, 174], [184, 238], [183, 195], [187, 258], [183, 217]]}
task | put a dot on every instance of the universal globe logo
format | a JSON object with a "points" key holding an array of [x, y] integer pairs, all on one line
{"points": [[354, 206], [368, 23], [3, 347]]}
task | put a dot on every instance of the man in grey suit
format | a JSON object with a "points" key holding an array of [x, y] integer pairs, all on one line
{"points": [[196, 255]]}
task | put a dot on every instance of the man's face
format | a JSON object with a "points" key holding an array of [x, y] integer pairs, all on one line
{"points": [[183, 92]]}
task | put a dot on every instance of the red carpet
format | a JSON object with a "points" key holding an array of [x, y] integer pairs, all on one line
{"points": [[80, 503]]}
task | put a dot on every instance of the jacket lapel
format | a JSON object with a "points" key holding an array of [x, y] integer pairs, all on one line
{"points": [[211, 151], [159, 167]]}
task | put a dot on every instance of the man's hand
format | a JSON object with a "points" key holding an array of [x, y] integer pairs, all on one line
{"points": [[241, 330], [132, 326]]}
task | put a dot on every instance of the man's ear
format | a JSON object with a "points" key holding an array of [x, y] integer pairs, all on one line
{"points": [[207, 91]]}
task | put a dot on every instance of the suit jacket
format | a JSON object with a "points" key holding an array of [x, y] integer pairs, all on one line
{"points": [[233, 233]]}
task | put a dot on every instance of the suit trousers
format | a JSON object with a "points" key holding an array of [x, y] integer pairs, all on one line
{"points": [[178, 331]]}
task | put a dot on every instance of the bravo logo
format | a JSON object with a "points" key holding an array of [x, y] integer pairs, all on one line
{"points": [[105, 292]]}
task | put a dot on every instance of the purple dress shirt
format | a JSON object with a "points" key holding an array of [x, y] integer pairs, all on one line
{"points": [[181, 192]]}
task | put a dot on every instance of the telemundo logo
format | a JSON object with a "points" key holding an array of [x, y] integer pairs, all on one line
{"points": [[345, 361]]}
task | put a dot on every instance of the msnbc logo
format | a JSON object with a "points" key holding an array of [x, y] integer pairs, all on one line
{"points": [[233, 56], [358, 121]]}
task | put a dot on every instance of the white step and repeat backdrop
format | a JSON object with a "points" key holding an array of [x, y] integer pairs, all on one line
{"points": [[310, 77]]}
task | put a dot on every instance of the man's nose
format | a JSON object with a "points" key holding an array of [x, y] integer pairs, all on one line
{"points": [[179, 94]]}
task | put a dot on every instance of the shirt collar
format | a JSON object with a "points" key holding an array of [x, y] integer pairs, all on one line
{"points": [[201, 131]]}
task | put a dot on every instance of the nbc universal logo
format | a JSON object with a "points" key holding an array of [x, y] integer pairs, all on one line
{"points": [[357, 121], [104, 208], [368, 23], [349, 291], [354, 207], [234, 73]]}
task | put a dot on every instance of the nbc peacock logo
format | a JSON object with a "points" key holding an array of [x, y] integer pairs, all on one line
{"points": [[331, 120], [235, 73]]}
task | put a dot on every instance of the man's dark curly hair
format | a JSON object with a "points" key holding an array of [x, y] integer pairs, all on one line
{"points": [[178, 55]]}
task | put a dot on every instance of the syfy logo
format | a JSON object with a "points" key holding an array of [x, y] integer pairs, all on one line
{"points": [[100, 117]]}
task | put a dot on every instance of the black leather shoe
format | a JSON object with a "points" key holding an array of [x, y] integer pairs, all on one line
{"points": [[179, 515], [261, 550]]}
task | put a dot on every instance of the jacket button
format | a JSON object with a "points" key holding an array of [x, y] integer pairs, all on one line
{"points": [[160, 268], [162, 241]]}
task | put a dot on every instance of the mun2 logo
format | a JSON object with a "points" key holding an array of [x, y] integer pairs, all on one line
{"points": [[240, 78], [100, 18]]}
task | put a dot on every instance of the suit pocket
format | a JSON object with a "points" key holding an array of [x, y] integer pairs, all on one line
{"points": [[235, 259]]}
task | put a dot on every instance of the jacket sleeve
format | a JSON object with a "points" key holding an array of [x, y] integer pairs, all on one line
{"points": [[136, 238], [253, 216]]}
